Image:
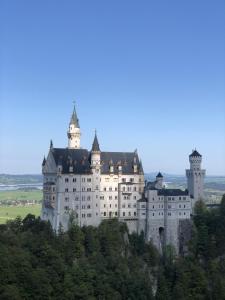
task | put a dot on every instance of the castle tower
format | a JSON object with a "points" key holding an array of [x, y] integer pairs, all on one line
{"points": [[74, 132], [159, 181], [95, 154], [195, 177]]}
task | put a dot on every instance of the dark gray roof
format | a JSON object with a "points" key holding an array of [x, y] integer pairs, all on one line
{"points": [[159, 175], [195, 153], [95, 145], [74, 119], [172, 192], [80, 159], [125, 159]]}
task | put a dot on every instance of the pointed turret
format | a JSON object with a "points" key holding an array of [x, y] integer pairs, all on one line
{"points": [[44, 162], [141, 171], [74, 119], [159, 175], [51, 144], [195, 153], [95, 145], [74, 131]]}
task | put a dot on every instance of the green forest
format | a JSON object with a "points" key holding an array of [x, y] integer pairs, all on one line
{"points": [[109, 263]]}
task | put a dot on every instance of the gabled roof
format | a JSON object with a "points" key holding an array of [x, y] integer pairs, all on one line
{"points": [[74, 120], [195, 153], [80, 160], [76, 158], [95, 145], [124, 159]]}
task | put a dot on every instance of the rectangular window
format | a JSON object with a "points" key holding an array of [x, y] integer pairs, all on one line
{"points": [[135, 213], [66, 179], [104, 214], [74, 190], [74, 179], [123, 214], [89, 180], [66, 190], [89, 215]]}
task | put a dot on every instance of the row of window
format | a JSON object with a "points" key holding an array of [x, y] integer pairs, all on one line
{"points": [[75, 180], [83, 189], [124, 214], [169, 214], [169, 198], [169, 206]]}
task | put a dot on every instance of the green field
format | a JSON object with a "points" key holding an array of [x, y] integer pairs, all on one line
{"points": [[11, 212], [21, 195]]}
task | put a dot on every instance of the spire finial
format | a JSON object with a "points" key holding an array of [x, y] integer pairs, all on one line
{"points": [[51, 144]]}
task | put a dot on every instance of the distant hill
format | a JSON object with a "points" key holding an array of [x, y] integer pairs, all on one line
{"points": [[20, 179]]}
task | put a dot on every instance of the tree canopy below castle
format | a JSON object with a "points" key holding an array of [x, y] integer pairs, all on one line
{"points": [[108, 263]]}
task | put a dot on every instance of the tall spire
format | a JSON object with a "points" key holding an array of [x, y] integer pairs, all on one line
{"points": [[74, 119], [73, 132], [95, 145]]}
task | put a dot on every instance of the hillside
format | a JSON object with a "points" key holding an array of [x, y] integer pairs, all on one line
{"points": [[108, 263]]}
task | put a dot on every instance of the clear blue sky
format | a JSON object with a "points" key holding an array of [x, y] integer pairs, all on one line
{"points": [[147, 74]]}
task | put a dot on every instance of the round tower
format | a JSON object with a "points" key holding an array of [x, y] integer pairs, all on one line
{"points": [[74, 131], [195, 177], [159, 181]]}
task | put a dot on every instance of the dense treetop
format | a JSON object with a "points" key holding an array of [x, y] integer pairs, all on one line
{"points": [[108, 263]]}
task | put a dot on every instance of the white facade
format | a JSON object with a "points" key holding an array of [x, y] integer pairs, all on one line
{"points": [[165, 209], [94, 185]]}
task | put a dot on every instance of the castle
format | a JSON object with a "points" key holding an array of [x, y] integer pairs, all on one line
{"points": [[96, 185]]}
